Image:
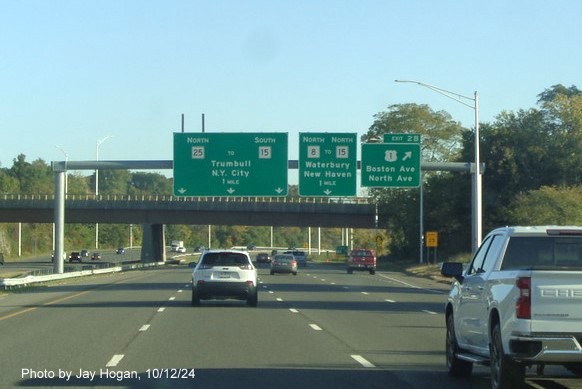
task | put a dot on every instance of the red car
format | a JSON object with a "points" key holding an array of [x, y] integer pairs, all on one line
{"points": [[362, 260]]}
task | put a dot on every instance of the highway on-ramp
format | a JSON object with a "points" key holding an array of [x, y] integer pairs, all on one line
{"points": [[322, 328]]}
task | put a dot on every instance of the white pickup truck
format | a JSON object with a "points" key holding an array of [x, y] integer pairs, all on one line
{"points": [[517, 304]]}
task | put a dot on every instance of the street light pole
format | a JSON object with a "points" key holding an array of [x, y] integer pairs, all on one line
{"points": [[98, 144], [477, 183]]}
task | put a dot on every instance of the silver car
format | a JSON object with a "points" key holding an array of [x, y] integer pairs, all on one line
{"points": [[283, 263]]}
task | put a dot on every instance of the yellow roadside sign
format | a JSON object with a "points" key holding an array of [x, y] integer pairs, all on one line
{"points": [[432, 239]]}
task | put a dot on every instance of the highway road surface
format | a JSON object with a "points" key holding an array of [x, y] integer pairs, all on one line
{"points": [[322, 328]]}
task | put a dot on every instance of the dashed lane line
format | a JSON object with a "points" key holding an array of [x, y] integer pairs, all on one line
{"points": [[362, 361], [114, 361]]}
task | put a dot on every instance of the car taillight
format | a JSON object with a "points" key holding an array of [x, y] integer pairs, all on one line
{"points": [[523, 303], [293, 262], [246, 267], [250, 283]]}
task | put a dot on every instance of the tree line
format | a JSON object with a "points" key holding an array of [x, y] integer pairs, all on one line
{"points": [[533, 175]]}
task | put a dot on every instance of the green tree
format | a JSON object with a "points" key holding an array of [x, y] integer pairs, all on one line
{"points": [[33, 178], [8, 182], [548, 205], [149, 184]]}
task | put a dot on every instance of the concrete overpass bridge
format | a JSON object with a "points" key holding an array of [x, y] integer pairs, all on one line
{"points": [[154, 212], [248, 211]]}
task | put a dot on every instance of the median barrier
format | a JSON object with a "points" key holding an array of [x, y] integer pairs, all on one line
{"points": [[7, 283]]}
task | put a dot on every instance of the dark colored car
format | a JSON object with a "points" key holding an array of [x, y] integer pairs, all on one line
{"points": [[95, 256], [84, 253], [362, 260], [75, 256], [284, 263], [120, 250], [263, 258]]}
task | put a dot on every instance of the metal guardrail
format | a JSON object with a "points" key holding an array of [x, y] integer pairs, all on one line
{"points": [[7, 283]]}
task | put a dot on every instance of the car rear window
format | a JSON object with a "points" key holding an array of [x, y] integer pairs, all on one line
{"points": [[361, 253], [551, 253], [284, 258], [225, 259]]}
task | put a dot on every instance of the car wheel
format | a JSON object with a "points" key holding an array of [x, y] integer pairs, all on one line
{"points": [[505, 373], [272, 272], [350, 271], [294, 273], [457, 367], [372, 271], [195, 297], [253, 299]]}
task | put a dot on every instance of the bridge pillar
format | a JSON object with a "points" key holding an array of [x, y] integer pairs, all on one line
{"points": [[153, 248]]}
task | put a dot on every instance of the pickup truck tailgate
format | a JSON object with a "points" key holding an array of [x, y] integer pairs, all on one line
{"points": [[556, 301]]}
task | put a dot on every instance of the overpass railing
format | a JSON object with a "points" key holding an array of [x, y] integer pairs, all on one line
{"points": [[169, 198]]}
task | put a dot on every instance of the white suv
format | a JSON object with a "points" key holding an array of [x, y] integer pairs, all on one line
{"points": [[225, 274]]}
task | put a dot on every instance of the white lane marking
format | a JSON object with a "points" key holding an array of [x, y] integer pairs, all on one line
{"points": [[172, 298], [346, 287], [180, 290], [279, 299], [145, 327], [389, 301], [315, 327], [323, 280], [410, 285], [429, 312], [187, 285], [271, 292], [365, 293], [362, 361], [115, 360], [265, 286], [162, 309], [293, 310], [333, 283]]}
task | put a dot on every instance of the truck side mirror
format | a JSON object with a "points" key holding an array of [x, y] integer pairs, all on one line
{"points": [[453, 269]]}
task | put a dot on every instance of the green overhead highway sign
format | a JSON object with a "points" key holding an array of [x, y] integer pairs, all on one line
{"points": [[230, 164], [394, 165], [327, 164]]}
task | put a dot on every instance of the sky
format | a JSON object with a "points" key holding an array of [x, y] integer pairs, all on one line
{"points": [[120, 73]]}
